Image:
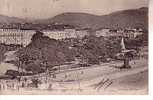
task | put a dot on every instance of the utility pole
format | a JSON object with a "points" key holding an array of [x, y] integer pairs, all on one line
{"points": [[20, 59]]}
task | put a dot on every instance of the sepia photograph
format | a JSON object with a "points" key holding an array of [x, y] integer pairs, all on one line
{"points": [[74, 47]]}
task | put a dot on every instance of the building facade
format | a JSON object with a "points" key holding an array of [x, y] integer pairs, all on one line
{"points": [[129, 33], [15, 36]]}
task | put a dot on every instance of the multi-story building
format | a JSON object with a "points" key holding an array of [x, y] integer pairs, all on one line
{"points": [[60, 34], [102, 32], [15, 36], [80, 33], [129, 33], [132, 33]]}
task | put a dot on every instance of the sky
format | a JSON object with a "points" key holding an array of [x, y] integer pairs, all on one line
{"points": [[40, 9]]}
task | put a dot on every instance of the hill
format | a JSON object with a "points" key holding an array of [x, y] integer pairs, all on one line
{"points": [[6, 19], [120, 19]]}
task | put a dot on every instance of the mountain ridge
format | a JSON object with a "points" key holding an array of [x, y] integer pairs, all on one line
{"points": [[7, 19], [120, 19]]}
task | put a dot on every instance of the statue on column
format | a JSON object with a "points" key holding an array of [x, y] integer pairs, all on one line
{"points": [[126, 55]]}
